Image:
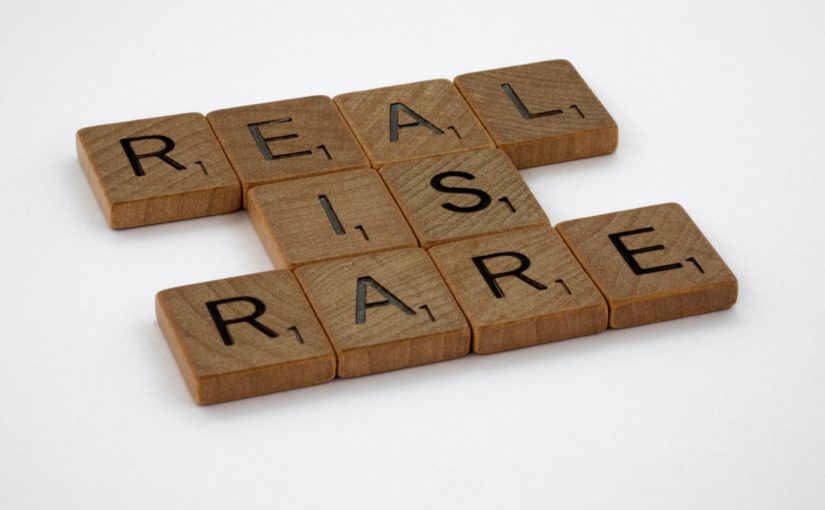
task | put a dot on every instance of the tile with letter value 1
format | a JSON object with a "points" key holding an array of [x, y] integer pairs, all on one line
{"points": [[453, 197], [385, 311], [540, 113], [320, 218], [652, 264], [284, 140], [520, 288], [410, 121], [157, 170], [244, 336]]}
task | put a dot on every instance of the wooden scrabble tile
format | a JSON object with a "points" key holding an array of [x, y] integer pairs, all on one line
{"points": [[329, 216], [540, 113], [284, 140], [156, 170], [416, 120], [652, 264], [244, 336], [385, 311], [520, 288], [447, 198]]}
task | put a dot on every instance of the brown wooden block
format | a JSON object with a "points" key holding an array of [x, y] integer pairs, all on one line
{"points": [[410, 121], [244, 336], [652, 264], [447, 198], [284, 140], [329, 216], [540, 113], [385, 311], [520, 288], [156, 170]]}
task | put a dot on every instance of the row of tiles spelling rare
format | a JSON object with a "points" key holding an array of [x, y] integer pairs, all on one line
{"points": [[354, 316], [184, 166]]}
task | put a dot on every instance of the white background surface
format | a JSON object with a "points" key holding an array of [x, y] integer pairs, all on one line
{"points": [[721, 106]]}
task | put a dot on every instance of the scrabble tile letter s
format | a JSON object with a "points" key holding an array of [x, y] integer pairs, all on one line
{"points": [[453, 197], [157, 170]]}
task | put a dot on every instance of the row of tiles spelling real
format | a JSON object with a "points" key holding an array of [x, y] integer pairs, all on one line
{"points": [[185, 166], [375, 312]]}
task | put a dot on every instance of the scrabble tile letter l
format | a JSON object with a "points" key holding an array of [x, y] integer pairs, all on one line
{"points": [[540, 113], [244, 336], [652, 264], [157, 170]]}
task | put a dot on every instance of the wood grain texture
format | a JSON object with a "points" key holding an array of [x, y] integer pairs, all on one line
{"points": [[520, 288], [431, 116], [257, 362], [656, 266], [458, 196], [540, 113], [321, 218], [408, 315], [203, 183], [284, 140]]}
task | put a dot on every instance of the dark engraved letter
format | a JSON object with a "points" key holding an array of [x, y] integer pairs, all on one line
{"points": [[490, 278], [627, 254], [331, 216], [361, 304], [483, 198], [520, 105], [223, 324], [134, 158], [263, 142], [419, 121]]}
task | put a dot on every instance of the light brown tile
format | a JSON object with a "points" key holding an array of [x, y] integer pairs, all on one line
{"points": [[652, 264], [284, 140], [244, 336], [448, 198], [540, 113], [157, 170], [321, 218], [385, 311], [410, 121], [520, 288]]}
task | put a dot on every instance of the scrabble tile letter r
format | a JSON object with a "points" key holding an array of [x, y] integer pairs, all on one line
{"points": [[244, 336], [157, 170]]}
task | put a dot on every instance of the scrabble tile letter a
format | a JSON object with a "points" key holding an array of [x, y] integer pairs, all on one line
{"points": [[385, 311], [416, 120]]}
